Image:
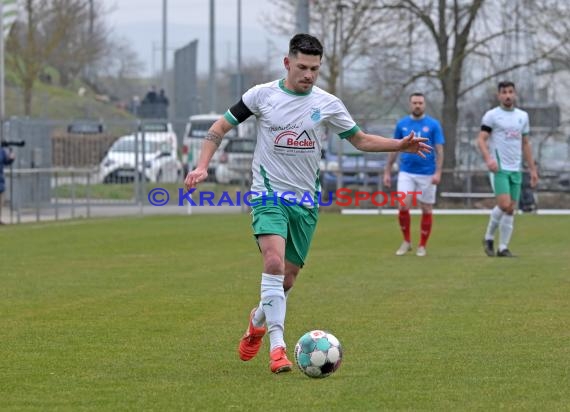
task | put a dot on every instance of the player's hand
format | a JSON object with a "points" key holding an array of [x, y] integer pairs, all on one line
{"points": [[533, 178], [411, 144], [194, 177], [492, 165], [436, 178], [387, 178]]}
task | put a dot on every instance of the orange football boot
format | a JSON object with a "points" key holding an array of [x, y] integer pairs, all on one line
{"points": [[252, 339], [279, 362]]}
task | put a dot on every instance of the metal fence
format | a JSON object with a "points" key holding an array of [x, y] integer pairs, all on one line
{"points": [[131, 167]]}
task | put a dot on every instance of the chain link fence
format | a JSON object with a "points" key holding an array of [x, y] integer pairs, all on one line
{"points": [[125, 168]]}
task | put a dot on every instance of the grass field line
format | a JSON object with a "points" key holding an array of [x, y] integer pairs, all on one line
{"points": [[457, 212]]}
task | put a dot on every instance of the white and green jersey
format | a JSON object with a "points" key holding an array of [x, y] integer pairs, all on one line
{"points": [[291, 127], [507, 128]]}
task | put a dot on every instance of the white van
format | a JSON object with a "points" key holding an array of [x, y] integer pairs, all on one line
{"points": [[197, 128]]}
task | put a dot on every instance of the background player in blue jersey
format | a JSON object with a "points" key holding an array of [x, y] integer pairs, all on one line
{"points": [[417, 174]]}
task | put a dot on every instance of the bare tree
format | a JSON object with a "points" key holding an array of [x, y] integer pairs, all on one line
{"points": [[118, 71], [454, 33], [48, 35], [359, 37], [253, 72], [554, 18], [85, 41], [446, 47], [71, 37], [120, 61]]}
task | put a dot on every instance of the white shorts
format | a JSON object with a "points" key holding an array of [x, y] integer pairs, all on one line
{"points": [[411, 182]]}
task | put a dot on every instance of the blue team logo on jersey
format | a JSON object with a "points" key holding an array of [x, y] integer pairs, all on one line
{"points": [[315, 114]]}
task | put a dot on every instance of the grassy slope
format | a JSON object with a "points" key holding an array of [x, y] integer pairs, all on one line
{"points": [[145, 313], [52, 102]]}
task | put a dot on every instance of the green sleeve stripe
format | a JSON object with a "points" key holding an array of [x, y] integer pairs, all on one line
{"points": [[349, 133], [230, 118]]}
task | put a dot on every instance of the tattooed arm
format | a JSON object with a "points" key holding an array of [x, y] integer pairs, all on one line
{"points": [[211, 143]]}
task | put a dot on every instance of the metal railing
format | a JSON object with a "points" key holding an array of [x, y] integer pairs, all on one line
{"points": [[41, 194], [59, 176]]}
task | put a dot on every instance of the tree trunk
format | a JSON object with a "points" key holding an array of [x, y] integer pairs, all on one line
{"points": [[449, 124], [28, 89], [449, 120]]}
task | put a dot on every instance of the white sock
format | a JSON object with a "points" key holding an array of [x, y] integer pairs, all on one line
{"points": [[494, 220], [274, 306], [258, 319], [506, 230], [259, 315]]}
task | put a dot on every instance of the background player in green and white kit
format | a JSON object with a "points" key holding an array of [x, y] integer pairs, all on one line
{"points": [[503, 141], [292, 115]]}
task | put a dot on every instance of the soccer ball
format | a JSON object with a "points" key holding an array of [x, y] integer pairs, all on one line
{"points": [[318, 354]]}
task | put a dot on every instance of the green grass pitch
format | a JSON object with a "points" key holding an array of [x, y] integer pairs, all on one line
{"points": [[146, 313]]}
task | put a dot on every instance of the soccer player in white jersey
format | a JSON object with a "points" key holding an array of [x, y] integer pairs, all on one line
{"points": [[292, 114], [504, 141]]}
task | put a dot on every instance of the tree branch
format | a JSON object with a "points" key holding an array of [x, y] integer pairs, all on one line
{"points": [[530, 62]]}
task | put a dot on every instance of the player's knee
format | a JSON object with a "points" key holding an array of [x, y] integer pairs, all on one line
{"points": [[505, 206], [274, 264], [427, 209]]}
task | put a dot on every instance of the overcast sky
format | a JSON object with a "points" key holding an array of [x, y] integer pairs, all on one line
{"points": [[140, 21]]}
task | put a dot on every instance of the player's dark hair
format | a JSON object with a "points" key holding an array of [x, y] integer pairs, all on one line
{"points": [[417, 94], [504, 84], [306, 44]]}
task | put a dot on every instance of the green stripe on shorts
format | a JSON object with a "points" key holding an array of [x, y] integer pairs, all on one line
{"points": [[507, 183], [294, 223]]}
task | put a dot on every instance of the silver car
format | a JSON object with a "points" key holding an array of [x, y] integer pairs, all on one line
{"points": [[234, 165]]}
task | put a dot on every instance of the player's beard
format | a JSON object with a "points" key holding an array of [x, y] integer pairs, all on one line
{"points": [[305, 85]]}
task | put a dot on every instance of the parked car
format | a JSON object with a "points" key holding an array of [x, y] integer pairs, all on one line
{"points": [[160, 129], [125, 159], [235, 159], [157, 126], [354, 167], [86, 126], [196, 129]]}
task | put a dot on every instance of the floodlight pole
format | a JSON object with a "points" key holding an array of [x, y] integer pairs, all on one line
{"points": [[303, 16], [2, 89], [212, 78], [239, 73], [164, 42], [340, 8]]}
